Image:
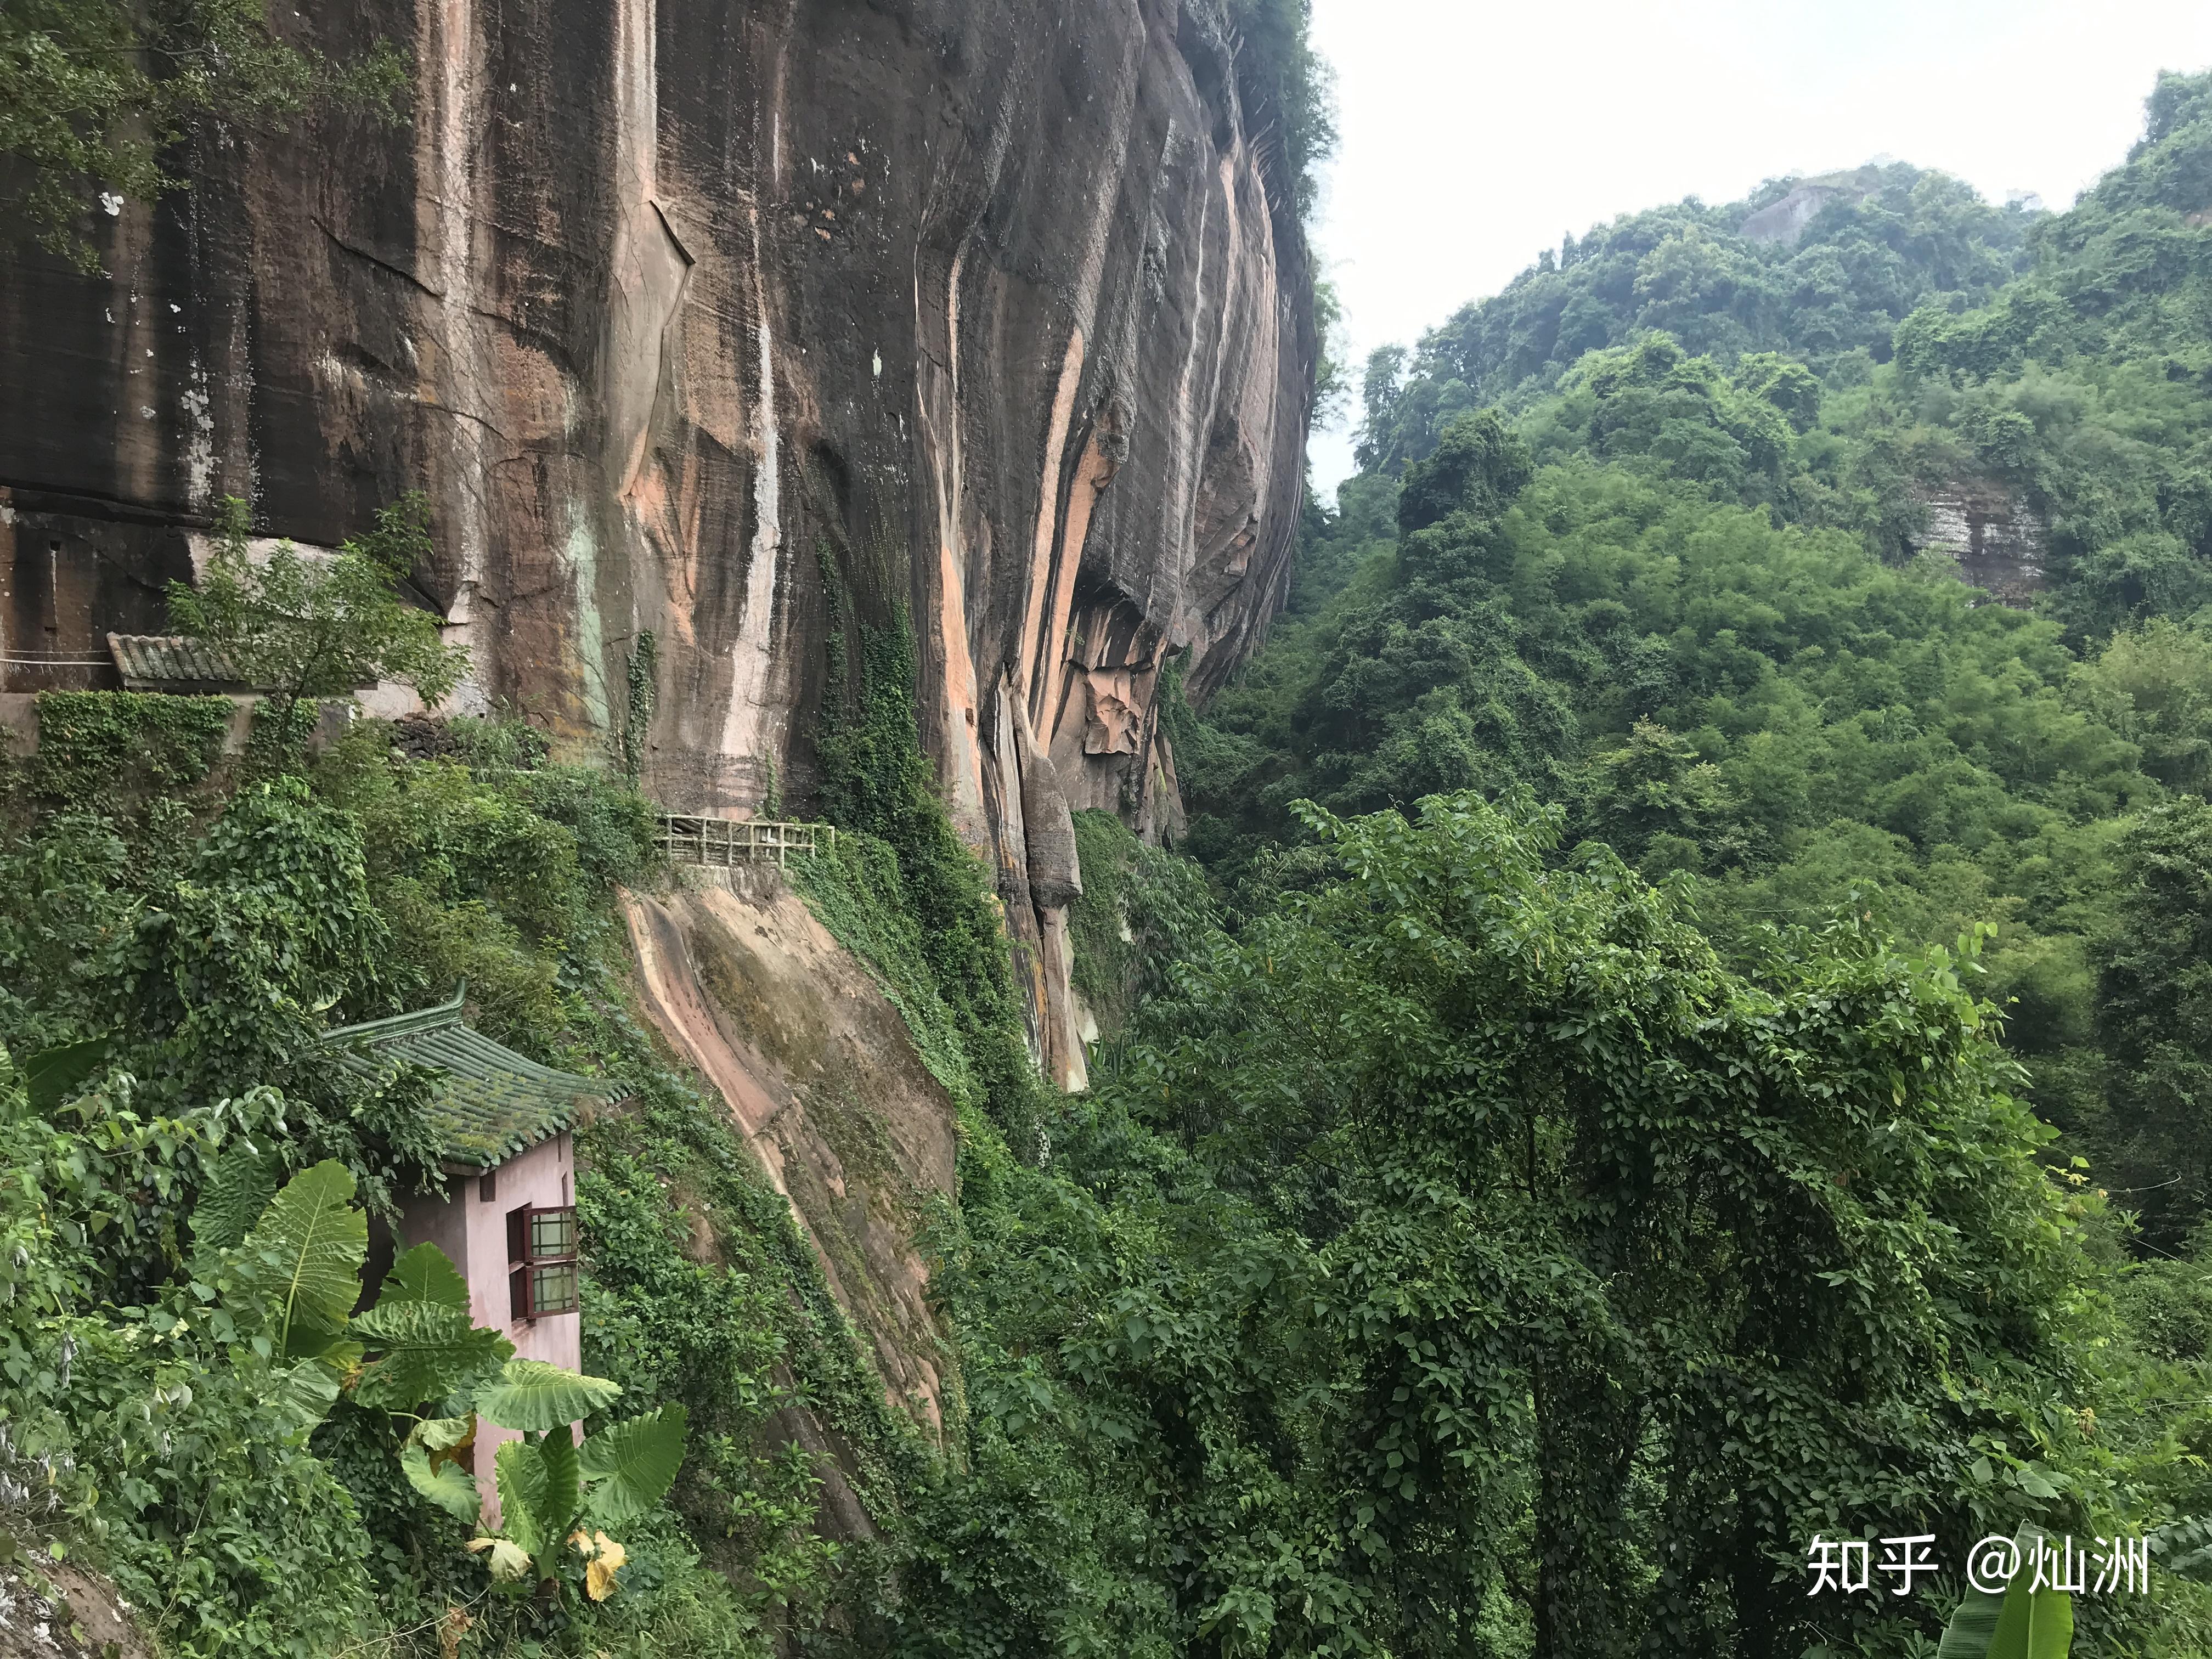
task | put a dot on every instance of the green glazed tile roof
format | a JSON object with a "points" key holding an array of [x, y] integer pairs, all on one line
{"points": [[489, 1103]]}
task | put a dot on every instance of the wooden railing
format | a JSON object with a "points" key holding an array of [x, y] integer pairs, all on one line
{"points": [[722, 842]]}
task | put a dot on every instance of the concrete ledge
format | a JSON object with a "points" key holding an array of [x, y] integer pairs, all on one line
{"points": [[19, 722]]}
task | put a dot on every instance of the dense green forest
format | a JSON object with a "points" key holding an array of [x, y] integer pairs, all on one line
{"points": [[1669, 585], [1404, 1285], [1676, 1028]]}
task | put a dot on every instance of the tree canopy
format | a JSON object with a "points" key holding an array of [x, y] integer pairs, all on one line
{"points": [[92, 92], [1678, 1028]]}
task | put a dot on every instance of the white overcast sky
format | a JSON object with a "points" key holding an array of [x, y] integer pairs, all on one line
{"points": [[1474, 134]]}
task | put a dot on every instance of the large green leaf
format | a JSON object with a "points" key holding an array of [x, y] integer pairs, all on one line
{"points": [[315, 1241], [2035, 1624], [426, 1351], [630, 1465], [529, 1394], [51, 1073], [523, 1495], [442, 1436], [1967, 1636], [238, 1190], [426, 1274], [447, 1485], [557, 1451], [299, 1398], [2021, 1624]]}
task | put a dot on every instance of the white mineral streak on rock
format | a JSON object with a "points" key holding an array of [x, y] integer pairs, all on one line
{"points": [[648, 278], [746, 728], [1993, 533], [466, 374], [1060, 539], [1029, 672], [199, 437], [647, 270], [1188, 428], [581, 553], [1232, 266], [1238, 473], [962, 766]]}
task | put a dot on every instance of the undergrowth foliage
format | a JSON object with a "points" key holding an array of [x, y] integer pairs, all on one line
{"points": [[185, 947], [1403, 1283], [1395, 1289], [875, 779], [1141, 910], [1525, 1196], [99, 748]]}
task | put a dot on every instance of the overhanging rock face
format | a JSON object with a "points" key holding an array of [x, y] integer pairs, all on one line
{"points": [[734, 321]]}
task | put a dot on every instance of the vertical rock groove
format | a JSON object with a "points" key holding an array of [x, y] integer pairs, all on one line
{"points": [[727, 319]]}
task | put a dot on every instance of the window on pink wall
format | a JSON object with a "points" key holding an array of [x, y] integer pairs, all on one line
{"points": [[541, 1258]]}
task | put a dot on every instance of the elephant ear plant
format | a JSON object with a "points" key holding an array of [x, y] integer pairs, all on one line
{"points": [[418, 1355], [2026, 1621], [553, 1491]]}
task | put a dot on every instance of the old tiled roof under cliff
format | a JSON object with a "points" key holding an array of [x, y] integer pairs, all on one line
{"points": [[161, 659], [489, 1103]]}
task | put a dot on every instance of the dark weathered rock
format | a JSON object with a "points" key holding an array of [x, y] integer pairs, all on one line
{"points": [[1055, 881], [422, 738], [51, 1609], [693, 316]]}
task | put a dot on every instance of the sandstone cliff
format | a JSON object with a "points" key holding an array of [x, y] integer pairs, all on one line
{"points": [[2000, 542], [721, 320], [823, 1081]]}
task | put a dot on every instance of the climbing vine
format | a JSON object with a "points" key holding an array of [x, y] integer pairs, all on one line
{"points": [[1141, 910], [875, 778], [96, 748], [643, 695]]}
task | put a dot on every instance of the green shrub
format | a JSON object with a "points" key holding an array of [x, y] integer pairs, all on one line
{"points": [[875, 778], [1142, 910]]}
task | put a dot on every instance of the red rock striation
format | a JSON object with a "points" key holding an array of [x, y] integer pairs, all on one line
{"points": [[724, 320]]}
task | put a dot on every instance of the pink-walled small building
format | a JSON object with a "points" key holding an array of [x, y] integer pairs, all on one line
{"points": [[507, 1220]]}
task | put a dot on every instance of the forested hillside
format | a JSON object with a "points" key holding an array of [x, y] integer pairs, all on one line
{"points": [[1671, 586], [1676, 1007], [1642, 552], [1880, 243]]}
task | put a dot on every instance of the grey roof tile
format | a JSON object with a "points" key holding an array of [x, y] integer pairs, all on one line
{"points": [[170, 659]]}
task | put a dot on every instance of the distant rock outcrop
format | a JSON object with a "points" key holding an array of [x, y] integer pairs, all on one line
{"points": [[1784, 221], [1999, 542]]}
